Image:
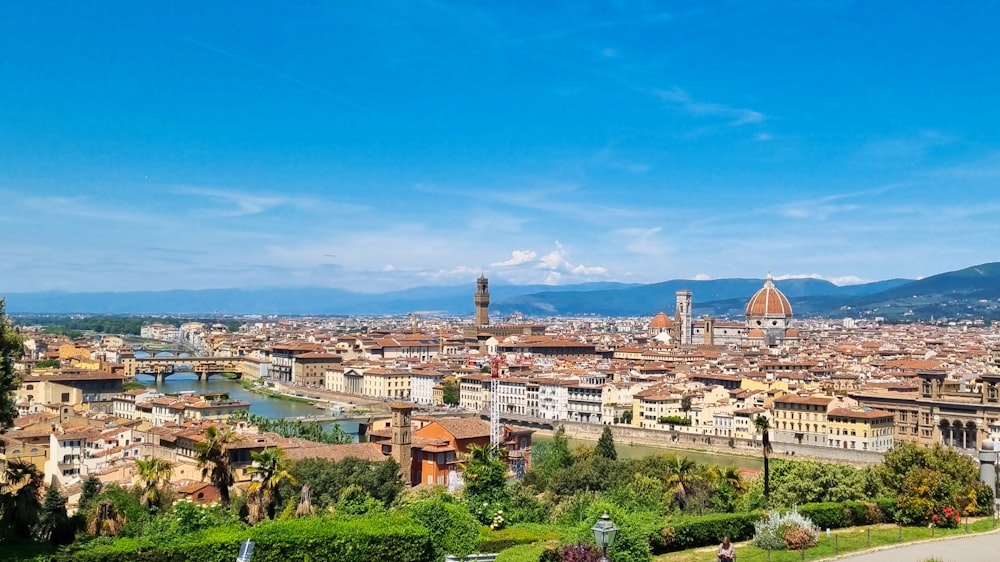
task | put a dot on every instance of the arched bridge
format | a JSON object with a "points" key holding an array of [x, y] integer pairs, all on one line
{"points": [[163, 367]]}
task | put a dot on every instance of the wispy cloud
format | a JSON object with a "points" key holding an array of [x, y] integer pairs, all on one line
{"points": [[735, 116], [823, 208], [240, 203], [643, 241], [307, 85]]}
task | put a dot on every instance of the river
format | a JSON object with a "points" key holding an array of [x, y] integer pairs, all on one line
{"points": [[259, 404]]}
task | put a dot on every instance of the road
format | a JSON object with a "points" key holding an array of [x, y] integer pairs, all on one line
{"points": [[975, 548]]}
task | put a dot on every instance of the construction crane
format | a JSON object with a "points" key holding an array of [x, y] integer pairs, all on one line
{"points": [[496, 431]]}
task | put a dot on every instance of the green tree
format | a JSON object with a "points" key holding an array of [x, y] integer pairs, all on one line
{"points": [[606, 445], [485, 476], [681, 478], [450, 391], [212, 454], [20, 486], [89, 491], [686, 406], [53, 521], [763, 426], [327, 480], [151, 475], [47, 364], [270, 469], [548, 458], [11, 347]]}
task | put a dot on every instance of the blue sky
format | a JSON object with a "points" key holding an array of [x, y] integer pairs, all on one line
{"points": [[381, 145]]}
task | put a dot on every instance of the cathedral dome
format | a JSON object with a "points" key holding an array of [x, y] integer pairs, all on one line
{"points": [[660, 322], [769, 302]]}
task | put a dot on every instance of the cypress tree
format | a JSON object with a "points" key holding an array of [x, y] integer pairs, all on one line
{"points": [[606, 445]]}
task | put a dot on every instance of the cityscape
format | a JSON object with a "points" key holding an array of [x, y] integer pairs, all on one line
{"points": [[435, 281]]}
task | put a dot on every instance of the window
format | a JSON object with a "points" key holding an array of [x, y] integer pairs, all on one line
{"points": [[64, 397]]}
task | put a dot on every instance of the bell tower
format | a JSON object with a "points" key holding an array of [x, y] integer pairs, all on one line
{"points": [[683, 317], [401, 440], [482, 301]]}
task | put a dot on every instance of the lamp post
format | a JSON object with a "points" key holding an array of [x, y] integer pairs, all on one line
{"points": [[604, 534]]}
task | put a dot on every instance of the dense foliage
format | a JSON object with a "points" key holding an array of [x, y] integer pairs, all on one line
{"points": [[11, 347], [73, 326], [322, 509], [312, 431]]}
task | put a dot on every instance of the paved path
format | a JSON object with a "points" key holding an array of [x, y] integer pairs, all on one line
{"points": [[975, 548]]}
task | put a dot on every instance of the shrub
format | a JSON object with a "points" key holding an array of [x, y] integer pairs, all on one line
{"points": [[691, 532], [675, 420], [947, 518], [498, 541], [523, 553], [777, 531], [571, 553], [453, 530], [295, 540]]}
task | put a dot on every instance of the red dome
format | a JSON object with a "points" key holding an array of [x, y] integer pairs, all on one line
{"points": [[769, 302], [756, 334], [661, 321]]}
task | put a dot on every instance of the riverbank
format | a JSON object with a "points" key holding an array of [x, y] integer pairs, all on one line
{"points": [[675, 440]]}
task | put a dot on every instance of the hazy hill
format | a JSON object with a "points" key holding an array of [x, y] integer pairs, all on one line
{"points": [[966, 293]]}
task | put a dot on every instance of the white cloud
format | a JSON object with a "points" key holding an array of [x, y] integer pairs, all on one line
{"points": [[389, 267], [517, 257], [556, 262], [702, 277], [736, 116], [837, 280]]}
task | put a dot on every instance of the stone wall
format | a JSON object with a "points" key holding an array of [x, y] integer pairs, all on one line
{"points": [[678, 440]]}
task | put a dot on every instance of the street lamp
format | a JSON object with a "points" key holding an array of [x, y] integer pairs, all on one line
{"points": [[604, 534]]}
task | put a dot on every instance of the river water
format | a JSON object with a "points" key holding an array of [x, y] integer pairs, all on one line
{"points": [[259, 404]]}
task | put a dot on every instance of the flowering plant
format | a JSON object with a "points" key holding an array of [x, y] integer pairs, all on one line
{"points": [[948, 518]]}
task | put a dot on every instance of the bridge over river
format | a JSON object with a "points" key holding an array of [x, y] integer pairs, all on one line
{"points": [[163, 367]]}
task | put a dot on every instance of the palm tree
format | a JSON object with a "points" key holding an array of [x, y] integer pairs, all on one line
{"points": [[686, 406], [152, 474], [269, 470], [213, 459], [21, 507], [680, 477], [763, 426]]}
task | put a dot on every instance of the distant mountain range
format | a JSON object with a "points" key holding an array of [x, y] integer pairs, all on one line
{"points": [[973, 292]]}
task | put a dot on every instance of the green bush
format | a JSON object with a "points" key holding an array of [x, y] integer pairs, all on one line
{"points": [[846, 514], [452, 528], [523, 553], [504, 539], [690, 532], [296, 540], [674, 420]]}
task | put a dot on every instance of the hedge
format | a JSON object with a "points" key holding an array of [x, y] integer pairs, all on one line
{"points": [[505, 539], [683, 533], [849, 514], [524, 553], [311, 539], [687, 532]]}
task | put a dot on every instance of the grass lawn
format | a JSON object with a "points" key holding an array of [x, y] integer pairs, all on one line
{"points": [[840, 541]]}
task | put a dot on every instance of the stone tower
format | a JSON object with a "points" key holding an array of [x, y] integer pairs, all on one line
{"points": [[401, 440], [683, 321], [482, 301]]}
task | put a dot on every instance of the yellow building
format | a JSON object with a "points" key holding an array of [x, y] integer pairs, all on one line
{"points": [[69, 351], [860, 428], [387, 383]]}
